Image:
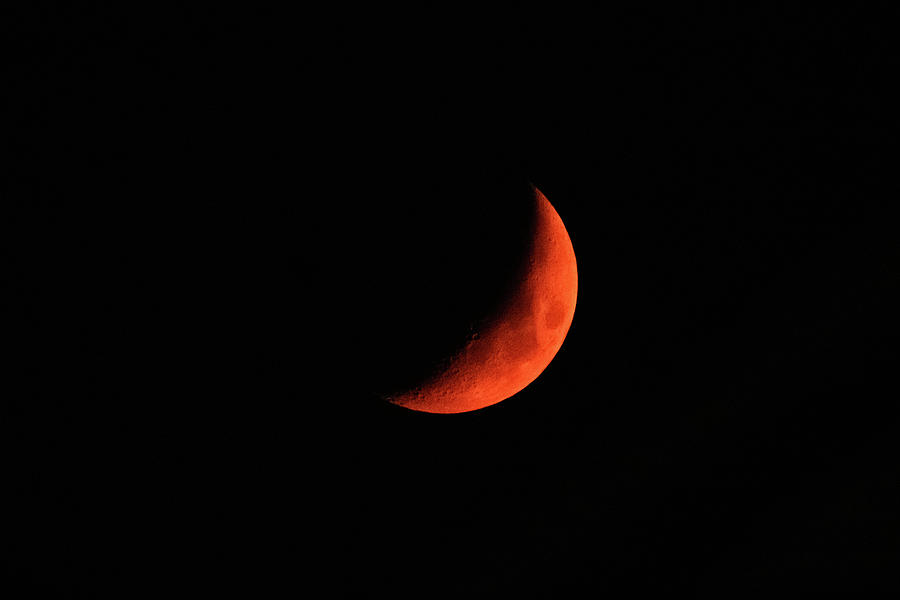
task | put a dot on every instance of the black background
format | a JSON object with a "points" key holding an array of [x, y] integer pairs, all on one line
{"points": [[231, 230]]}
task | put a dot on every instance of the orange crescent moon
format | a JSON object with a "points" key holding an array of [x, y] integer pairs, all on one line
{"points": [[515, 344]]}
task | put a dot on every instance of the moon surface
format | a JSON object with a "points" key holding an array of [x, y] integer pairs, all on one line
{"points": [[513, 346]]}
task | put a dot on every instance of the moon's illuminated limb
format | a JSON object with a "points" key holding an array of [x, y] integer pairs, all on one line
{"points": [[518, 342]]}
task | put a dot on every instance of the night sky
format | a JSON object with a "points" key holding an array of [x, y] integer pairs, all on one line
{"points": [[231, 232]]}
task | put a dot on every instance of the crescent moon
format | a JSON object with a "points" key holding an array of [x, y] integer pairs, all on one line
{"points": [[514, 345]]}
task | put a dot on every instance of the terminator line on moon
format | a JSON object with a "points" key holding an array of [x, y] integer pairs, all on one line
{"points": [[514, 345]]}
